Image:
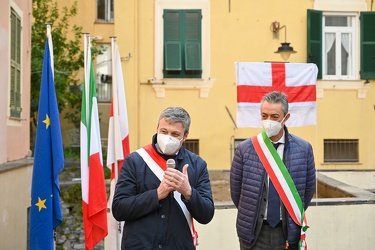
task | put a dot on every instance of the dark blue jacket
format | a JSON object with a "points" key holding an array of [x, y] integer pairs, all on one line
{"points": [[150, 223], [248, 180]]}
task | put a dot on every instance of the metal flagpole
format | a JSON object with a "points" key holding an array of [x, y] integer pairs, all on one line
{"points": [[86, 47], [117, 134], [49, 38]]}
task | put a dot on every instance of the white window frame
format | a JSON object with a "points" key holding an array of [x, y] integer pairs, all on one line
{"points": [[159, 83], [353, 72], [104, 67], [109, 17], [346, 6]]}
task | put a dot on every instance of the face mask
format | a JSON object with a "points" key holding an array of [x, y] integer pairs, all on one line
{"points": [[272, 128], [168, 144]]}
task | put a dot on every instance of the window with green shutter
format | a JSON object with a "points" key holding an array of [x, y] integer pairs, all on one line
{"points": [[332, 44], [367, 45], [314, 39], [15, 65], [182, 44]]}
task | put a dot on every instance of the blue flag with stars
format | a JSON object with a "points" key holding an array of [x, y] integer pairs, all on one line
{"points": [[45, 211]]}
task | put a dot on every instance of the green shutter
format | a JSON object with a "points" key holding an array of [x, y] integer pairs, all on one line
{"points": [[15, 65], [193, 56], [172, 56], [182, 43], [314, 39], [367, 45], [193, 59], [172, 40]]}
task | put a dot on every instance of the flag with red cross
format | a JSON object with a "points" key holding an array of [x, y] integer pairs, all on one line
{"points": [[296, 80]]}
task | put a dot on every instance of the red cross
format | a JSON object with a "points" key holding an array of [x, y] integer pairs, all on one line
{"points": [[254, 94]]}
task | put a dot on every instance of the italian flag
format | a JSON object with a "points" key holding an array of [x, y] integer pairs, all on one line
{"points": [[94, 197], [118, 143]]}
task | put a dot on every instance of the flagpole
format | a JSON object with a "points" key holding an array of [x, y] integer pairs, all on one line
{"points": [[117, 134], [49, 39], [49, 36], [86, 46]]}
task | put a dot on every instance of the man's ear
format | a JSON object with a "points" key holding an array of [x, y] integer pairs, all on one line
{"points": [[286, 117], [186, 135]]}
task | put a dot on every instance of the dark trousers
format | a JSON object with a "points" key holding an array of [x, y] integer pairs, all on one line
{"points": [[269, 239]]}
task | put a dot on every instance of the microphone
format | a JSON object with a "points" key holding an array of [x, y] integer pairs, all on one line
{"points": [[171, 163]]}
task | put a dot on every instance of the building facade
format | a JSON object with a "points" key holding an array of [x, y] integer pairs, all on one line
{"points": [[15, 167], [182, 53]]}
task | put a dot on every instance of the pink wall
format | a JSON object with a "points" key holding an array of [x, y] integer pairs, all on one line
{"points": [[14, 134]]}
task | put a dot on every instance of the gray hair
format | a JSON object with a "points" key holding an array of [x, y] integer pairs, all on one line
{"points": [[277, 97], [176, 114]]}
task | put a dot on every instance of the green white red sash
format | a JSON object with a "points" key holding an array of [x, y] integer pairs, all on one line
{"points": [[282, 181], [157, 164]]}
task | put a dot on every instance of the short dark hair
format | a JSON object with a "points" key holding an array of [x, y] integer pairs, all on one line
{"points": [[277, 97]]}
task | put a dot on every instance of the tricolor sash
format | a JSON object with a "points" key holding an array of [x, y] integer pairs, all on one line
{"points": [[282, 181], [157, 164]]}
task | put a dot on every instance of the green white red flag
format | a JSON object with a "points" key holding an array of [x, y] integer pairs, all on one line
{"points": [[282, 181], [118, 142], [94, 196]]}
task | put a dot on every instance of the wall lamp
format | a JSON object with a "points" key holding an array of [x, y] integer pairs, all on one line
{"points": [[284, 50]]}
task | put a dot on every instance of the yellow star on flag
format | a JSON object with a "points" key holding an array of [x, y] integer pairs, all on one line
{"points": [[41, 204], [47, 121]]}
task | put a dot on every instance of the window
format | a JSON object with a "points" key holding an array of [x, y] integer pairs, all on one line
{"points": [[192, 145], [182, 44], [104, 74], [341, 150], [195, 73], [338, 47], [104, 10], [15, 64], [332, 44]]}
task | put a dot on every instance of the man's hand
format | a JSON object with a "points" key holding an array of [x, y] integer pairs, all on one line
{"points": [[178, 181], [164, 190]]}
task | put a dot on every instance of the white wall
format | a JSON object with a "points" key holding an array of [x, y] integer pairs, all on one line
{"points": [[331, 227]]}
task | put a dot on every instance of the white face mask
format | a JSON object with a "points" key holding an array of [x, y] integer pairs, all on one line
{"points": [[168, 144], [272, 128]]}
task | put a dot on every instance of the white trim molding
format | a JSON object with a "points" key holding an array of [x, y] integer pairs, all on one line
{"points": [[203, 84], [360, 86]]}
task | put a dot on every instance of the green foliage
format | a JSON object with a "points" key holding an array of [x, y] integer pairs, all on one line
{"points": [[68, 57], [71, 193], [107, 173]]}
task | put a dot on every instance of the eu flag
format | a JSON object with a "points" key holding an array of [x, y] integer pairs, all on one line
{"points": [[45, 211]]}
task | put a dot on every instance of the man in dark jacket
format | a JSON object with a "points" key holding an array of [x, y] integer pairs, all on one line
{"points": [[158, 203], [259, 225]]}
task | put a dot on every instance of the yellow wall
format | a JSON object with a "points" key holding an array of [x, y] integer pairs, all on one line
{"points": [[15, 195], [239, 32]]}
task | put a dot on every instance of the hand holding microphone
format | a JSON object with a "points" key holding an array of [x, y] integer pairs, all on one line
{"points": [[165, 188], [178, 180]]}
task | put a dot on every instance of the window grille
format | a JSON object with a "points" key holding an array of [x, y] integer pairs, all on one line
{"points": [[192, 145], [341, 150]]}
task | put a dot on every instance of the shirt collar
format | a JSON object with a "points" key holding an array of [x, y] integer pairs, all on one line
{"points": [[281, 140]]}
